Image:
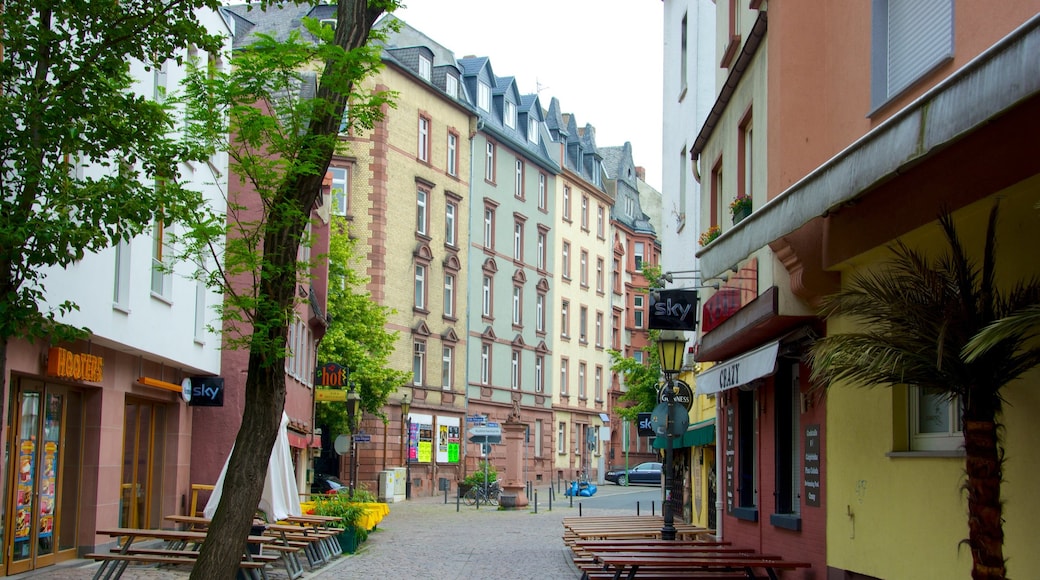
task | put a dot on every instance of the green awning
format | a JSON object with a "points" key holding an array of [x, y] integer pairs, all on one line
{"points": [[697, 434]]}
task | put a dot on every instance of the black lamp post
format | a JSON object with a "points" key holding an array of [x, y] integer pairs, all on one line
{"points": [[353, 418], [406, 406], [672, 347]]}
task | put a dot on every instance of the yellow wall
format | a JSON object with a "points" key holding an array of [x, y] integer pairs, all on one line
{"points": [[903, 517]]}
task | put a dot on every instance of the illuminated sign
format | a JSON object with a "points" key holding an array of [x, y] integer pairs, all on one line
{"points": [[78, 367]]}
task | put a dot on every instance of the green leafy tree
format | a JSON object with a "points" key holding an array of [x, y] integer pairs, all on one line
{"points": [[918, 315], [642, 380], [66, 92], [357, 337], [279, 144]]}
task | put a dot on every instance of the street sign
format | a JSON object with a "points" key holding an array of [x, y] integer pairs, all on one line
{"points": [[485, 431], [328, 395], [495, 425], [362, 438], [476, 419]]}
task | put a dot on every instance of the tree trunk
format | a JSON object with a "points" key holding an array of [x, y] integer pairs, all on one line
{"points": [[985, 521]]}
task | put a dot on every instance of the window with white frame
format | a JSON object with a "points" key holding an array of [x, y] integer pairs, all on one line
{"points": [[518, 300], [451, 228], [566, 265], [532, 129], [600, 264], [630, 206], [453, 154], [601, 230], [910, 38], [583, 264], [537, 437], [485, 364], [582, 393], [514, 371], [518, 186], [599, 329], [489, 162], [539, 308], [561, 438], [638, 302], [423, 152], [121, 286], [421, 217], [418, 363], [639, 255], [539, 373], [484, 96], [489, 228], [936, 422], [451, 86], [447, 368], [599, 383], [340, 188], [162, 278], [565, 321], [424, 66], [420, 287], [509, 116], [639, 356], [518, 241], [485, 290], [542, 240], [585, 212], [542, 200], [200, 312], [449, 295], [566, 203], [583, 324], [564, 378]]}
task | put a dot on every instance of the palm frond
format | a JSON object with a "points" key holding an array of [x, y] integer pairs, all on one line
{"points": [[1020, 327]]}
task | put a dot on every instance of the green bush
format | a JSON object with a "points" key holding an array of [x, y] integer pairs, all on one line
{"points": [[477, 477]]}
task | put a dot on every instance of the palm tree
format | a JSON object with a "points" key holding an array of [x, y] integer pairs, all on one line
{"points": [[918, 315]]}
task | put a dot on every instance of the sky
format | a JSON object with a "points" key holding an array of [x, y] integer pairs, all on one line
{"points": [[600, 58]]}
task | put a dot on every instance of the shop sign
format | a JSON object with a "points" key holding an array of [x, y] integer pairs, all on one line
{"points": [[207, 392], [331, 375], [78, 367], [673, 310], [682, 394]]}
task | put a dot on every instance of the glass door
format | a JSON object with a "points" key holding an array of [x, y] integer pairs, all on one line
{"points": [[144, 432], [44, 482]]}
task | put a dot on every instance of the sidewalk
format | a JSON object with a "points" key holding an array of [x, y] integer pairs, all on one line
{"points": [[426, 538]]}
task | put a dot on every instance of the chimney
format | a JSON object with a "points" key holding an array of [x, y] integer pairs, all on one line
{"points": [[641, 173]]}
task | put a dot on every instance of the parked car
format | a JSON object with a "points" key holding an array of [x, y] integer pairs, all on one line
{"points": [[328, 484], [649, 472]]}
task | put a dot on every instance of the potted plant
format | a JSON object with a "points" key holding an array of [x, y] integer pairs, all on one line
{"points": [[740, 208], [709, 235], [351, 510]]}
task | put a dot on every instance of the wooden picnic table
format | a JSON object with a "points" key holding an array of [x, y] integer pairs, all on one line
{"points": [[625, 527], [114, 563], [652, 561], [287, 548]]}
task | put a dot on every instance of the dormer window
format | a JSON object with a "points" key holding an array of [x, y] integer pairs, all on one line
{"points": [[484, 96], [424, 67], [451, 86], [510, 115], [532, 129]]}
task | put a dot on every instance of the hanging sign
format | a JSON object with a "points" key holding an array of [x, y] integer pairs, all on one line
{"points": [[673, 310], [207, 392], [331, 375]]}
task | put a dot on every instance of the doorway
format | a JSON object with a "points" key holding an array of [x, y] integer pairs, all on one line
{"points": [[44, 475], [144, 433]]}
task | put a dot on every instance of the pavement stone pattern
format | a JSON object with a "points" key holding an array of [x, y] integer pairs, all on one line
{"points": [[424, 538]]}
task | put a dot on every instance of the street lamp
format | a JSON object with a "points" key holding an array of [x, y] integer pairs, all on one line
{"points": [[672, 347], [406, 406], [353, 416]]}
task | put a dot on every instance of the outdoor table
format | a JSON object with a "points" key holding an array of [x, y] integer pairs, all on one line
{"points": [[114, 564], [628, 564]]}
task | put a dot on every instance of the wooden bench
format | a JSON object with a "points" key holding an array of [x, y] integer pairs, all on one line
{"points": [[647, 564]]}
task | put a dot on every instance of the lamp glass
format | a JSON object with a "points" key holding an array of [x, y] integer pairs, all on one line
{"points": [[672, 347]]}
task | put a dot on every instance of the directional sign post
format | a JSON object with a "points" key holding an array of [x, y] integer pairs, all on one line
{"points": [[485, 434]]}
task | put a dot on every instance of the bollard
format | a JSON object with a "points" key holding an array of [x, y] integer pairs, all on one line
{"points": [[572, 500], [536, 501], [653, 508], [579, 509], [637, 508], [445, 496], [458, 500], [550, 496]]}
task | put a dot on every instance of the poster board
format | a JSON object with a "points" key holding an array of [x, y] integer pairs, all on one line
{"points": [[449, 438]]}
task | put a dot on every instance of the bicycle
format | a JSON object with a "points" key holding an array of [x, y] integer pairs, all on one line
{"points": [[486, 494]]}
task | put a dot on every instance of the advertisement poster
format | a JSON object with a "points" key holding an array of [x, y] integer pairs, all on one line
{"points": [[449, 435], [420, 438], [24, 490], [47, 485]]}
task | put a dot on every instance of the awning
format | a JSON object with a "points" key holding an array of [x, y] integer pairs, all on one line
{"points": [[739, 370], [300, 441], [700, 433]]}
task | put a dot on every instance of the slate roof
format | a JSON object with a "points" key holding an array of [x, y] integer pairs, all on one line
{"points": [[621, 169]]}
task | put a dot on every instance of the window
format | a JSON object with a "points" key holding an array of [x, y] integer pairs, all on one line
{"points": [[518, 300], [583, 263], [639, 356], [451, 86], [340, 185], [638, 301], [566, 203], [451, 229], [424, 67], [449, 295], [717, 202], [935, 421], [583, 324], [581, 380], [420, 287], [682, 54], [909, 40], [599, 329], [561, 438], [599, 383], [418, 363], [585, 212], [514, 371], [489, 228], [485, 309], [518, 241], [745, 158], [453, 154], [447, 365], [485, 364], [542, 240], [639, 254], [489, 162], [539, 312], [159, 74], [537, 437], [541, 192], [615, 331], [200, 312], [162, 279], [532, 129], [566, 260], [601, 231], [565, 321], [509, 115], [484, 96], [518, 187], [630, 206], [121, 287], [421, 218], [564, 380], [617, 275], [599, 274], [539, 373], [787, 410], [747, 497], [424, 140]]}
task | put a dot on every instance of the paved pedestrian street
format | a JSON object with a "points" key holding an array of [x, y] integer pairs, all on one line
{"points": [[426, 538]]}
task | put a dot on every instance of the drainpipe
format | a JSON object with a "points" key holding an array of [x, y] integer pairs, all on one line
{"points": [[720, 465]]}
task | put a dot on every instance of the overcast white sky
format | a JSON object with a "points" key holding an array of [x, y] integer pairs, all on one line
{"points": [[600, 58]]}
